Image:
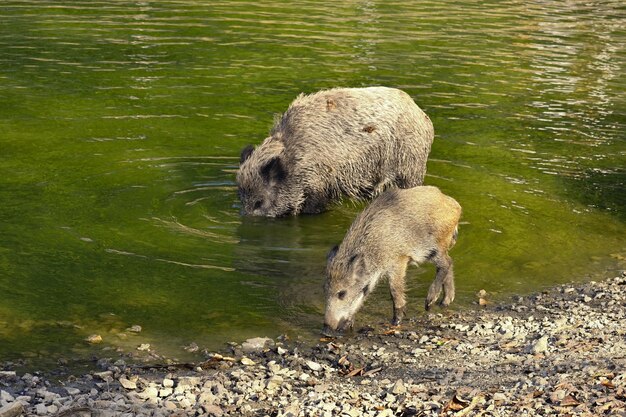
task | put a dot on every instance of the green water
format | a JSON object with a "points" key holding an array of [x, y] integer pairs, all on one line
{"points": [[121, 124]]}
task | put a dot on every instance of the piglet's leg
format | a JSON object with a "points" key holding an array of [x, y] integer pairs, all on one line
{"points": [[441, 282], [448, 287], [397, 289]]}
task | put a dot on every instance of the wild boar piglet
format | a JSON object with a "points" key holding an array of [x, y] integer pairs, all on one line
{"points": [[401, 226], [352, 142]]}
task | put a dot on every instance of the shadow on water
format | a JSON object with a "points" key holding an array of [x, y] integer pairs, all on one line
{"points": [[288, 254]]}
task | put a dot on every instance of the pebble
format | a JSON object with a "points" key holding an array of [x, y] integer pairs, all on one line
{"points": [[314, 366], [247, 361], [134, 328], [499, 397], [541, 345], [274, 382], [398, 388], [127, 383], [41, 409], [213, 410], [94, 339], [256, 344], [12, 410], [5, 396]]}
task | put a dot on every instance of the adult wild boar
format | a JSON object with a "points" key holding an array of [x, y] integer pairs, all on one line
{"points": [[353, 142], [399, 227]]}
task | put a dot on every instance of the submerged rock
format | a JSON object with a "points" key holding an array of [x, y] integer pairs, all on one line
{"points": [[256, 344]]}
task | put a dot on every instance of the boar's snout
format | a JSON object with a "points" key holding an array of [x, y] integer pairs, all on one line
{"points": [[331, 329]]}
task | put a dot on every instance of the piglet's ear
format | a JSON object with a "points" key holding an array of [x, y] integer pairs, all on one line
{"points": [[332, 253], [245, 154], [274, 170]]}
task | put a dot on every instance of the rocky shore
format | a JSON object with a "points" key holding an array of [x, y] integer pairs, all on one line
{"points": [[560, 352]]}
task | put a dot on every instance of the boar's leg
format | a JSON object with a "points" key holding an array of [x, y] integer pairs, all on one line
{"points": [[448, 286], [396, 287], [444, 280]]}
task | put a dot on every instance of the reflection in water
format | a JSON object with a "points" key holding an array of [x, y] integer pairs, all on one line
{"points": [[123, 121]]}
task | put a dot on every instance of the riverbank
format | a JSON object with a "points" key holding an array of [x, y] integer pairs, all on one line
{"points": [[559, 352]]}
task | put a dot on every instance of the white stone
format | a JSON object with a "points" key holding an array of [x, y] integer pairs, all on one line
{"points": [[314, 366], [206, 397], [256, 344], [134, 328], [94, 339], [165, 392], [5, 396], [247, 361], [72, 391], [12, 410], [41, 409], [274, 382], [499, 397], [541, 345], [105, 376], [149, 393], [168, 383], [213, 410], [398, 388], [128, 384], [169, 405]]}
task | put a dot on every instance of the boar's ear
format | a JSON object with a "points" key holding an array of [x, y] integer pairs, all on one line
{"points": [[245, 154], [358, 264], [274, 171], [332, 253]]}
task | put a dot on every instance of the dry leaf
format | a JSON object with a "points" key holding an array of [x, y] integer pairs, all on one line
{"points": [[569, 401], [607, 383], [355, 372], [372, 371], [333, 347], [456, 404], [343, 361]]}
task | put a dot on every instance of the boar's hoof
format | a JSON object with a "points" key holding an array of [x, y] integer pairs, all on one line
{"points": [[398, 315]]}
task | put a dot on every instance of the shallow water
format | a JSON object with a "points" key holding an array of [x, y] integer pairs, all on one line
{"points": [[121, 124]]}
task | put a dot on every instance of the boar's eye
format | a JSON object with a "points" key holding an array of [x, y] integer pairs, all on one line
{"points": [[257, 205], [341, 294]]}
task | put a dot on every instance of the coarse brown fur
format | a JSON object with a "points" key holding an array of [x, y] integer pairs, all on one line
{"points": [[399, 227], [353, 142]]}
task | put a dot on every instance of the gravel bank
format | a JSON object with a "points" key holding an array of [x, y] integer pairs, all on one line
{"points": [[560, 352]]}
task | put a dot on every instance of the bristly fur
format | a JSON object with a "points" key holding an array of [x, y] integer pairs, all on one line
{"points": [[400, 227], [352, 142]]}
